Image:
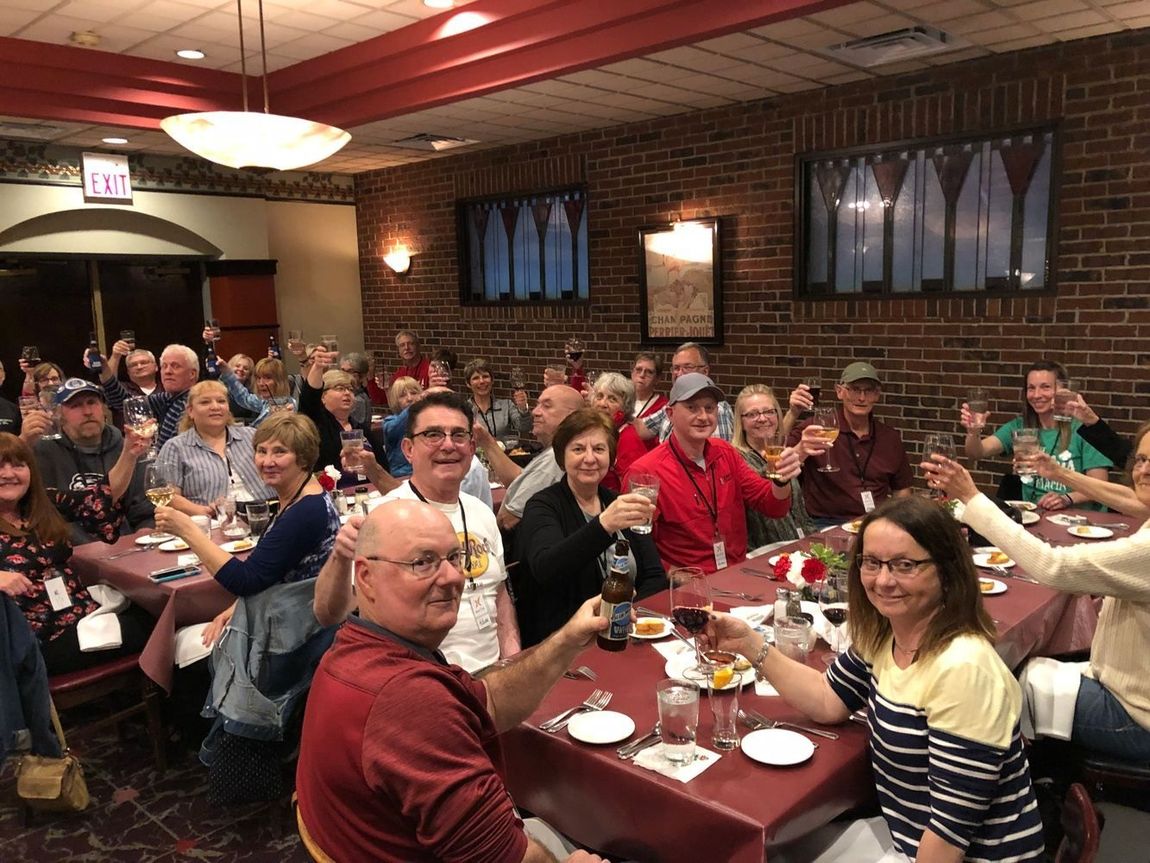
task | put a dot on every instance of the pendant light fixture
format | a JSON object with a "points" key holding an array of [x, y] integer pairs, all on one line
{"points": [[254, 139]]}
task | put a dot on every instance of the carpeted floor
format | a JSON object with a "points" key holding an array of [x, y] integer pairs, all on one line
{"points": [[139, 816]]}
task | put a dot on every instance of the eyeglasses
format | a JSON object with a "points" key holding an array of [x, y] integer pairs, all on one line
{"points": [[339, 388], [643, 373], [865, 392], [900, 567], [424, 566], [686, 367], [1141, 461], [763, 414], [436, 437]]}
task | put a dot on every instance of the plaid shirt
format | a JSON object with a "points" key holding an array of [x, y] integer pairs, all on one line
{"points": [[659, 423]]}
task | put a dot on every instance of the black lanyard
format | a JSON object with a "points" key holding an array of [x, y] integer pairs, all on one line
{"points": [[639, 411], [466, 535], [854, 454], [294, 498], [491, 426], [712, 510]]}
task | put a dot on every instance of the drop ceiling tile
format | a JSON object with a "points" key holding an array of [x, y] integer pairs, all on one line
{"points": [[782, 31], [1019, 44], [11, 19], [948, 57], [998, 35], [594, 78], [94, 10], [847, 14], [384, 20], [1047, 9], [643, 68], [847, 77], [1069, 21], [730, 43], [314, 45], [1143, 21], [1125, 9], [690, 57], [763, 52], [32, 5], [1071, 34], [948, 10], [975, 23]]}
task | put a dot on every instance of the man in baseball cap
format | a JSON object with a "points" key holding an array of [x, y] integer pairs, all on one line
{"points": [[866, 464], [704, 484]]}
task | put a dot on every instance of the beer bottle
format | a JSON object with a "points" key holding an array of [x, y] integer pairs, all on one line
{"points": [[211, 361], [92, 355], [274, 348], [618, 589]]}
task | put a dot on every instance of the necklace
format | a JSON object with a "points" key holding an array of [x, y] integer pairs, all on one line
{"points": [[907, 651]]}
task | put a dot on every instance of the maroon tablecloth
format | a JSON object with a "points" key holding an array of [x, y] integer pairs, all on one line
{"points": [[174, 604]]}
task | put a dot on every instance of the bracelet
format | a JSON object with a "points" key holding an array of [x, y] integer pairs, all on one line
{"points": [[757, 662], [780, 483], [1069, 499]]}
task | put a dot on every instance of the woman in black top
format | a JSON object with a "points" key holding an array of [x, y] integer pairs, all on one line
{"points": [[327, 397], [568, 530]]}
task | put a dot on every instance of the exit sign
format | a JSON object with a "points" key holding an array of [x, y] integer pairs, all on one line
{"points": [[106, 178]]}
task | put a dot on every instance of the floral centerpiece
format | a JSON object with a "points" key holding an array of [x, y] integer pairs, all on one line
{"points": [[816, 563], [327, 478]]}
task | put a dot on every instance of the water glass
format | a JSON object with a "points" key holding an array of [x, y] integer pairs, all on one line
{"points": [[280, 404], [793, 638], [351, 448], [1063, 395], [648, 486], [1025, 443], [295, 340], [204, 523], [214, 326], [978, 403], [258, 517], [48, 404], [678, 719], [330, 342]]}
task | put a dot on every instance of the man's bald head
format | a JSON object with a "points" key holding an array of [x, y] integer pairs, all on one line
{"points": [[554, 405]]}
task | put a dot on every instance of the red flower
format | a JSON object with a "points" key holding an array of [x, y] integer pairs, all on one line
{"points": [[813, 570], [325, 481], [782, 567]]}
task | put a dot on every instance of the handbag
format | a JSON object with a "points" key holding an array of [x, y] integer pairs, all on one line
{"points": [[52, 784]]}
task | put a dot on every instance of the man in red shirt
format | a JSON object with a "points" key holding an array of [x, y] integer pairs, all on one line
{"points": [[400, 757], [414, 364], [705, 485]]}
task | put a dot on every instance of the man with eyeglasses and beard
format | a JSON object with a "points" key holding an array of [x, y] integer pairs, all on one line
{"points": [[868, 459], [439, 446]]}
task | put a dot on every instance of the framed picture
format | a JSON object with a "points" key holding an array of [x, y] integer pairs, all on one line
{"points": [[680, 297]]}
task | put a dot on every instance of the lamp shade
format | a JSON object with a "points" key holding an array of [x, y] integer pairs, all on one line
{"points": [[249, 139], [399, 260]]}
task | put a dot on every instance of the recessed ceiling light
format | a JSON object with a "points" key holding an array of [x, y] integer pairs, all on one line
{"points": [[190, 54], [114, 140], [438, 4]]}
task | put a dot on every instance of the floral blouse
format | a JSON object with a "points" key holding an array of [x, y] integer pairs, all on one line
{"points": [[95, 512]]}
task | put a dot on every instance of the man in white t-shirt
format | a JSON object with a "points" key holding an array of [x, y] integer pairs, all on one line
{"points": [[439, 446]]}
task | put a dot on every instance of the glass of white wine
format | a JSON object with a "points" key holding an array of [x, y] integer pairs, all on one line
{"points": [[138, 417], [827, 419], [159, 487]]}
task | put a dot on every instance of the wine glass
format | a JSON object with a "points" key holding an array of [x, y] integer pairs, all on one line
{"points": [[295, 340], [214, 326], [129, 336], [832, 594], [573, 349], [827, 419], [938, 444], [691, 605], [441, 371], [31, 355], [159, 487], [138, 417], [518, 379], [815, 388]]}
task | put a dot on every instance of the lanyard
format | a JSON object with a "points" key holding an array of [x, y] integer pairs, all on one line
{"points": [[713, 510], [854, 454], [466, 535], [642, 409], [294, 498], [491, 426]]}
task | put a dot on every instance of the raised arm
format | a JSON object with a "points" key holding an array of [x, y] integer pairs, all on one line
{"points": [[334, 588]]}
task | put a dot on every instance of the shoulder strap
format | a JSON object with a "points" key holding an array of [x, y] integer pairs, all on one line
{"points": [[56, 724]]}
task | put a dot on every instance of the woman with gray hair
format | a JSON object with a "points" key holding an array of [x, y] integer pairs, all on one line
{"points": [[506, 419], [614, 395], [327, 397]]}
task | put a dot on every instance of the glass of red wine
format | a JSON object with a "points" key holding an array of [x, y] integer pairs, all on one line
{"points": [[691, 604], [832, 593]]}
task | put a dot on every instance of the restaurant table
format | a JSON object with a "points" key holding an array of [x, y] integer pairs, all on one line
{"points": [[736, 809], [196, 599]]}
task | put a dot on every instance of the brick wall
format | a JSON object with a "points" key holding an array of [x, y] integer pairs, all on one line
{"points": [[738, 163]]}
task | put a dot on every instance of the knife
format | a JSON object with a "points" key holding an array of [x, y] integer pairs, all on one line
{"points": [[633, 748]]}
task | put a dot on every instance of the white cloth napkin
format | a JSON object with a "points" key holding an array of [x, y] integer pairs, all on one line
{"points": [[654, 759], [673, 649], [754, 615], [190, 644], [1049, 695], [110, 600], [100, 630]]}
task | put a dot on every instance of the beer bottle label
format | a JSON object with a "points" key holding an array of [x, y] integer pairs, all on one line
{"points": [[619, 616]]}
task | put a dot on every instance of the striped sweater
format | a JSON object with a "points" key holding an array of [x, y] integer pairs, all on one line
{"points": [[946, 750]]}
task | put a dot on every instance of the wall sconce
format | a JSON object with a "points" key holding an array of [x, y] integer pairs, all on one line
{"points": [[399, 260]]}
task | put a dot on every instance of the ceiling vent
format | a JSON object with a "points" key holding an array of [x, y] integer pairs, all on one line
{"points": [[435, 143], [29, 131], [894, 46]]}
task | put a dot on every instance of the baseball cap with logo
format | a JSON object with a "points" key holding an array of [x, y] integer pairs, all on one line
{"points": [[859, 372], [74, 387], [690, 385]]}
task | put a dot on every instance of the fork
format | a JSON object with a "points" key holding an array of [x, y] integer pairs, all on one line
{"points": [[764, 722], [581, 672], [736, 594], [120, 554], [597, 700], [1006, 573]]}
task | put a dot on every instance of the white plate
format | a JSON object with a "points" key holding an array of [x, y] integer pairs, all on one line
{"points": [[662, 633], [1024, 505], [237, 545], [983, 560], [852, 526], [997, 586], [176, 544], [148, 539], [1062, 519], [1089, 531], [794, 555], [777, 746], [678, 666], [601, 726], [1029, 517]]}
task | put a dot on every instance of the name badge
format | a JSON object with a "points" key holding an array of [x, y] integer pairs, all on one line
{"points": [[720, 549], [479, 609], [868, 500], [58, 593]]}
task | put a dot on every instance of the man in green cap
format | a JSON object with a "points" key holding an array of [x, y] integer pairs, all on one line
{"points": [[867, 462]]}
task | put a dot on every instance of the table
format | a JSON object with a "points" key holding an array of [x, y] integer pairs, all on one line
{"points": [[174, 604], [737, 809]]}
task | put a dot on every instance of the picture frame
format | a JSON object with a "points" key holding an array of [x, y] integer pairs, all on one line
{"points": [[680, 283]]}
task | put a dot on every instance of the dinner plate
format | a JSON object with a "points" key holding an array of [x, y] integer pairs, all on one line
{"points": [[794, 555], [983, 560], [777, 747], [678, 667], [1063, 520], [148, 539], [1090, 531], [663, 632], [995, 586], [852, 526], [1024, 505], [601, 726], [237, 545], [176, 544], [1030, 517]]}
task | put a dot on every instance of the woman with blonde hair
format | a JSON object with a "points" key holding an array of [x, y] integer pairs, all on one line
{"points": [[400, 395], [271, 392], [212, 457]]}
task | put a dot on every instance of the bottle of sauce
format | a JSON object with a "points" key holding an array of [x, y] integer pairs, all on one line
{"points": [[618, 589]]}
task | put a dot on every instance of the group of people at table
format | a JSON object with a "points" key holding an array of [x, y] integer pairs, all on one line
{"points": [[398, 752]]}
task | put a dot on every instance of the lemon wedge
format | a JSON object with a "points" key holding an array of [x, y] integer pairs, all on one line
{"points": [[722, 677]]}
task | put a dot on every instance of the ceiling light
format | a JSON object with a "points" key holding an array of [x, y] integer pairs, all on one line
{"points": [[190, 54], [439, 4], [114, 140], [250, 139]]}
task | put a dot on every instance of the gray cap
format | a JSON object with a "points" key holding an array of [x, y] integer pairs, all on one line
{"points": [[859, 372], [690, 385]]}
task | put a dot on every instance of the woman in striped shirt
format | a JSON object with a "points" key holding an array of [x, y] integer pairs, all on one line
{"points": [[950, 772]]}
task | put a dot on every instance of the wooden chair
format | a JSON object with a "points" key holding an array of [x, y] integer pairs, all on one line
{"points": [[116, 675], [316, 853], [1110, 778], [1082, 828]]}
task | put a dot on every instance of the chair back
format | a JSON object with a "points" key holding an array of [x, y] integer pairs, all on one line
{"points": [[1082, 830]]}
